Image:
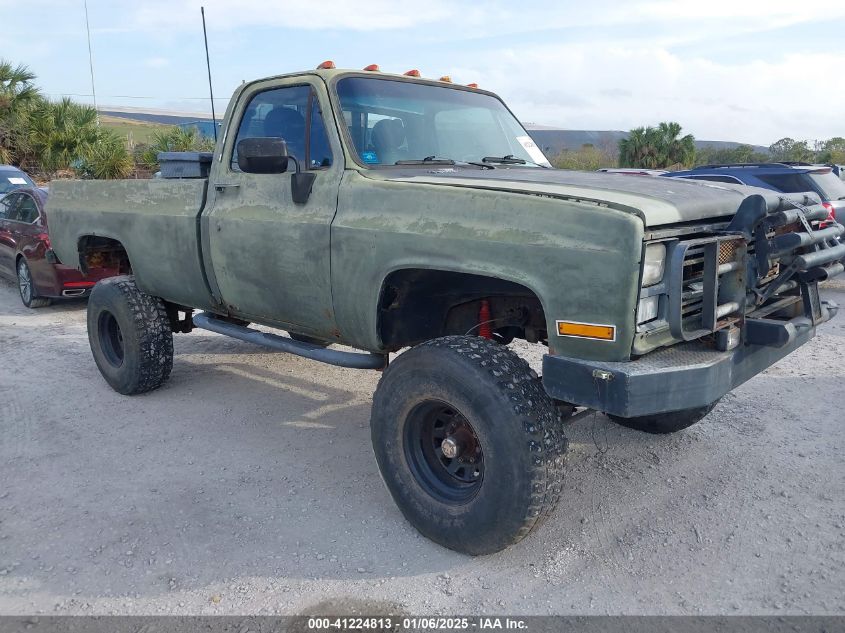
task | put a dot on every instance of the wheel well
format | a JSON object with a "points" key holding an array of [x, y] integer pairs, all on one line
{"points": [[417, 305], [103, 252]]}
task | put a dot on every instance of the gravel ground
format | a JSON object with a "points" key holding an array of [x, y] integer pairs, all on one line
{"points": [[247, 485]]}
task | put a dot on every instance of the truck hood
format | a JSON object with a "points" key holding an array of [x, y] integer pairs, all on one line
{"points": [[658, 200]]}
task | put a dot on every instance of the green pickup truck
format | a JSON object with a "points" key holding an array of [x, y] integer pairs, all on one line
{"points": [[390, 212]]}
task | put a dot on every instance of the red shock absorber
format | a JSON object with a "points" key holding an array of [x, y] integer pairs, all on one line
{"points": [[485, 330]]}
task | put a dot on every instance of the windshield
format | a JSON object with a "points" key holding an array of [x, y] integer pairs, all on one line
{"points": [[830, 185], [392, 121], [13, 179]]}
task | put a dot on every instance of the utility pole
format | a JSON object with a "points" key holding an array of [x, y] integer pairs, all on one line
{"points": [[91, 62]]}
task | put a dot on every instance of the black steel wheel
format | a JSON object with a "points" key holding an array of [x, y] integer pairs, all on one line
{"points": [[111, 338], [443, 452], [468, 443]]}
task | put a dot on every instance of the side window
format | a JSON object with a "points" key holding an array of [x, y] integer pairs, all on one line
{"points": [[790, 183], [319, 152], [284, 113], [728, 179], [27, 210], [7, 206]]}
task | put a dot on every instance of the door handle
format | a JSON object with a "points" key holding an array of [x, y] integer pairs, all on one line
{"points": [[222, 186]]}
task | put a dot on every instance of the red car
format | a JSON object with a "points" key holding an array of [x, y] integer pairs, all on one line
{"points": [[26, 256]]}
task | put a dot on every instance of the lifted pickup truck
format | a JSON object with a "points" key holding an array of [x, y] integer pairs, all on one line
{"points": [[385, 212]]}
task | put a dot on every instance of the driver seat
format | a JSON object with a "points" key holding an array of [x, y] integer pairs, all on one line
{"points": [[388, 139]]}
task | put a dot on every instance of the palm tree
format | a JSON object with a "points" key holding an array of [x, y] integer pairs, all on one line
{"points": [[60, 132], [657, 148], [17, 94], [107, 158], [676, 150], [640, 149], [174, 139]]}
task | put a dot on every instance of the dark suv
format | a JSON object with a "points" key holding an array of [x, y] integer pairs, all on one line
{"points": [[783, 177]]}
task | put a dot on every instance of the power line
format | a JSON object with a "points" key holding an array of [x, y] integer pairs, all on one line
{"points": [[82, 94]]}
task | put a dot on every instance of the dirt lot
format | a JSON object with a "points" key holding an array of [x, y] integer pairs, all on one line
{"points": [[247, 484]]}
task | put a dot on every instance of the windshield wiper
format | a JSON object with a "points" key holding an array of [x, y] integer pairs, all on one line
{"points": [[510, 159], [428, 160], [433, 160]]}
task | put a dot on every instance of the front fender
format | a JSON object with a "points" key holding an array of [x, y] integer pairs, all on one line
{"points": [[582, 260]]}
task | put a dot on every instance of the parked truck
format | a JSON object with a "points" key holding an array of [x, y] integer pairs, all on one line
{"points": [[391, 212]]}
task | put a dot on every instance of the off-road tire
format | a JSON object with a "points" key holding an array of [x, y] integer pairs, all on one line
{"points": [[663, 423], [514, 422], [304, 338], [29, 295], [130, 337]]}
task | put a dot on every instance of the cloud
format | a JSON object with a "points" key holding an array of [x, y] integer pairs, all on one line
{"points": [[750, 70], [355, 15], [752, 101], [156, 62]]}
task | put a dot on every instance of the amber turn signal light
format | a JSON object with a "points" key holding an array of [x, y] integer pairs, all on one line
{"points": [[587, 330]]}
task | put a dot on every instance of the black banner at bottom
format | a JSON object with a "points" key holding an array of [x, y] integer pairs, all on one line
{"points": [[401, 623]]}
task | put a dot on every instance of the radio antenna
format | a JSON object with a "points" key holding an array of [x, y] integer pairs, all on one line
{"points": [[208, 65], [91, 63]]}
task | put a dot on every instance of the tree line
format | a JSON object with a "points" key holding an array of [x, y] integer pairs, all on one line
{"points": [[664, 147], [46, 137]]}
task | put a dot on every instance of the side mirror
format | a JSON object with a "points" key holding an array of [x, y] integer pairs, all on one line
{"points": [[269, 155], [265, 155]]}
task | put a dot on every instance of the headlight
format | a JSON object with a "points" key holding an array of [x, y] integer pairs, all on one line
{"points": [[654, 264], [647, 309]]}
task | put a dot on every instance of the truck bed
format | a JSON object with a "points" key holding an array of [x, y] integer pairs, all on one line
{"points": [[156, 218]]}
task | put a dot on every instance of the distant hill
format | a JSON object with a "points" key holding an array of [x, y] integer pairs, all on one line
{"points": [[554, 140], [551, 140]]}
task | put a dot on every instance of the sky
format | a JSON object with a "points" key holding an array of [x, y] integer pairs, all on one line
{"points": [[739, 70]]}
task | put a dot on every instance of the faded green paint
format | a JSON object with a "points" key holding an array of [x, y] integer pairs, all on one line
{"points": [[155, 220], [574, 239], [581, 262]]}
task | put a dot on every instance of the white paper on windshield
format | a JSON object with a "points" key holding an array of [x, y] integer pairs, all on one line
{"points": [[533, 151], [17, 181]]}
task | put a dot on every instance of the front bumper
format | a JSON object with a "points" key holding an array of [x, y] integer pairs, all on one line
{"points": [[683, 376]]}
